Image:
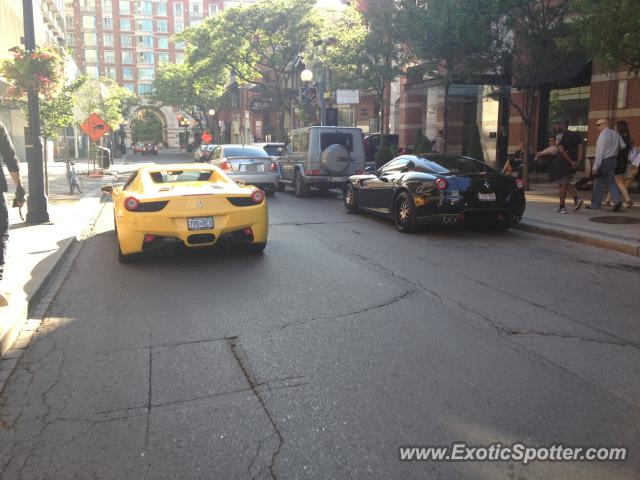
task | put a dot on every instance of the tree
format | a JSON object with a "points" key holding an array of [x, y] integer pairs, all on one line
{"points": [[526, 41], [608, 30], [446, 39], [258, 44], [106, 98], [363, 52], [517, 42], [192, 89]]}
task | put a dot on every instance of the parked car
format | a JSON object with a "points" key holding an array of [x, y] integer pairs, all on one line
{"points": [[273, 149], [193, 205], [373, 141], [138, 147], [321, 157], [202, 152], [248, 164], [150, 149], [437, 189]]}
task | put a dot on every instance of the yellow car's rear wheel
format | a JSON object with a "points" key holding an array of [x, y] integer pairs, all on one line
{"points": [[122, 258], [257, 247]]}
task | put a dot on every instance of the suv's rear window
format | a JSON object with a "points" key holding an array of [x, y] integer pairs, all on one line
{"points": [[230, 152], [344, 139], [174, 176]]}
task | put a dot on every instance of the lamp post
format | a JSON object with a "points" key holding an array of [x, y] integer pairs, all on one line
{"points": [[306, 76], [212, 124], [37, 201]]}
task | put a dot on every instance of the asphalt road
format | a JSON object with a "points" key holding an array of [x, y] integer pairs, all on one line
{"points": [[318, 359]]}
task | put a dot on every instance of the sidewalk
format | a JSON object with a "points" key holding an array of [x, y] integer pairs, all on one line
{"points": [[34, 252], [619, 231]]}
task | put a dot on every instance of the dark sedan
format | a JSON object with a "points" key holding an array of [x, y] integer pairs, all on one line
{"points": [[437, 189]]}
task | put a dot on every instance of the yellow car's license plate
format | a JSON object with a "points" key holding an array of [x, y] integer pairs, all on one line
{"points": [[200, 223]]}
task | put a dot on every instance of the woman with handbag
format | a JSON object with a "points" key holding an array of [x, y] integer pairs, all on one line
{"points": [[622, 164]]}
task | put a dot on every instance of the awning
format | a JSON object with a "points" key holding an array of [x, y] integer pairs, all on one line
{"points": [[574, 69]]}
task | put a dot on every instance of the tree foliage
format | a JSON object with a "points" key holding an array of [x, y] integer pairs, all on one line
{"points": [[608, 30], [192, 89], [257, 44], [362, 50], [106, 98]]}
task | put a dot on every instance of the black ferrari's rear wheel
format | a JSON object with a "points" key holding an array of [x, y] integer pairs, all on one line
{"points": [[350, 200], [404, 213]]}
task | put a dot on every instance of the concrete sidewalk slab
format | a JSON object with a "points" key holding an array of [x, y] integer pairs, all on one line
{"points": [[618, 231], [34, 252]]}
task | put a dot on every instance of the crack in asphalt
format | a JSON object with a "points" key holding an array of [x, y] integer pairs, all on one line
{"points": [[466, 310], [572, 337], [241, 358], [396, 299], [146, 431]]}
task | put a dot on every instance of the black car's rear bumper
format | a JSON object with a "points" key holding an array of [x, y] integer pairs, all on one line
{"points": [[474, 216]]}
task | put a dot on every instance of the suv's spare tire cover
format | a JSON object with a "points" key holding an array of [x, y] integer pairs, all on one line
{"points": [[336, 159]]}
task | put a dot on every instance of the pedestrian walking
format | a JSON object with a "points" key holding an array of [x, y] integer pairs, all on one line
{"points": [[622, 165], [634, 167], [10, 159], [570, 154], [438, 144], [607, 147]]}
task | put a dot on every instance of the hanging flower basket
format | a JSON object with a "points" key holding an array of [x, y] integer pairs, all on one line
{"points": [[42, 70]]}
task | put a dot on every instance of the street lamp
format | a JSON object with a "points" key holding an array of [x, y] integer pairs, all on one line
{"points": [[306, 76], [212, 124]]}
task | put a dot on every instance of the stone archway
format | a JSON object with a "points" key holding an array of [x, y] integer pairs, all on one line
{"points": [[140, 112]]}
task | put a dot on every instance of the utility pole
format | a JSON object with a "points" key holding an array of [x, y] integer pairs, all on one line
{"points": [[36, 201]]}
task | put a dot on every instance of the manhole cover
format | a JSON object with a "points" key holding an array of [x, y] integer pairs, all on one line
{"points": [[616, 219]]}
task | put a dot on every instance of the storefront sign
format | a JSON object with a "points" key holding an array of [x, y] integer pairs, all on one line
{"points": [[259, 104]]}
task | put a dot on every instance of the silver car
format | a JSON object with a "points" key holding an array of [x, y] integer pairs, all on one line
{"points": [[248, 164]]}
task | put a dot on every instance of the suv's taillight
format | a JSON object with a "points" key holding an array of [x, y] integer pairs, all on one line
{"points": [[312, 172], [226, 166], [520, 183], [274, 166]]}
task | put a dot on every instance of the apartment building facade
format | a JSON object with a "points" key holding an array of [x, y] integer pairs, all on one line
{"points": [[49, 29]]}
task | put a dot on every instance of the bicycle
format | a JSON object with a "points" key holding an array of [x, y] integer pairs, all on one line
{"points": [[72, 178]]}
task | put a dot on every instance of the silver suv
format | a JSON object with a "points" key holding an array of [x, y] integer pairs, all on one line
{"points": [[321, 157]]}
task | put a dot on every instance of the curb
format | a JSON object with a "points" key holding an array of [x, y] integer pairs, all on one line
{"points": [[583, 236]]}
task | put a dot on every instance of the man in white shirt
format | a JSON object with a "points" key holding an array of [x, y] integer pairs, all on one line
{"points": [[607, 147]]}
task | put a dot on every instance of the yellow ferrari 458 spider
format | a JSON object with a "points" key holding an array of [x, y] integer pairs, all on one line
{"points": [[196, 205]]}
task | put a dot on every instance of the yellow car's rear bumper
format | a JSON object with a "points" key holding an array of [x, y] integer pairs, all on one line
{"points": [[132, 227]]}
